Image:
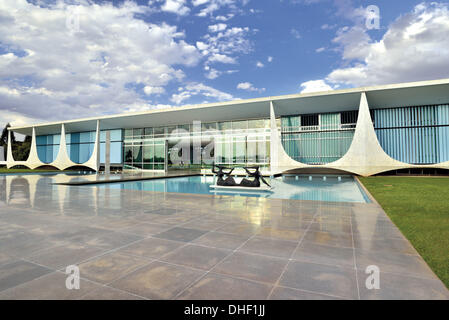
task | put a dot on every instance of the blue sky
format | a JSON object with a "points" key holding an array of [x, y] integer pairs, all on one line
{"points": [[77, 58]]}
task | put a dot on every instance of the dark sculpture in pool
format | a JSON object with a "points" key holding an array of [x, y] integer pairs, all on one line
{"points": [[226, 180]]}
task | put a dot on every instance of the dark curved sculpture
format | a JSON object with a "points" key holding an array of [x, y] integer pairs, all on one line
{"points": [[256, 175], [222, 181], [230, 182]]}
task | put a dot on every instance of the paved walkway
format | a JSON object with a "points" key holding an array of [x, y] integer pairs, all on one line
{"points": [[147, 245]]}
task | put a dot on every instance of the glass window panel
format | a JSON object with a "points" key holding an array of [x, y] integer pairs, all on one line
{"points": [[116, 152], [84, 153], [137, 165], [239, 149], [261, 150], [223, 126], [75, 137], [42, 153], [158, 166], [256, 124], [240, 125], [85, 137], [159, 153], [185, 127], [56, 139], [41, 140], [55, 153], [170, 130], [102, 152], [128, 133], [148, 132], [137, 153], [159, 131], [148, 166], [252, 149], [137, 133], [116, 135], [209, 126], [75, 152], [148, 153], [128, 153]]}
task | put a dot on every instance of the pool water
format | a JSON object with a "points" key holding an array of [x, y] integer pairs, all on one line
{"points": [[345, 189]]}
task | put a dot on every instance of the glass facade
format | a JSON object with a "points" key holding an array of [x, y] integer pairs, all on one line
{"points": [[80, 146], [318, 138], [144, 149], [233, 143], [48, 147], [415, 135]]}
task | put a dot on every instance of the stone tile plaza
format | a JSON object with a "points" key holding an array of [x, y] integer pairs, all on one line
{"points": [[135, 213], [132, 244]]}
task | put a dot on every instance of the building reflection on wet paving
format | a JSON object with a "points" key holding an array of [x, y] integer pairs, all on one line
{"points": [[152, 245]]}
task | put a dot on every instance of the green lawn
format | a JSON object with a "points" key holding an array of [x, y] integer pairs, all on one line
{"points": [[419, 206]]}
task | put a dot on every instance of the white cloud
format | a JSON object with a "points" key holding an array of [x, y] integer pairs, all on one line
{"points": [[328, 27], [260, 64], [413, 48], [353, 42], [217, 27], [315, 86], [224, 46], [295, 33], [199, 2], [16, 119], [195, 89], [149, 90], [52, 72], [319, 50], [270, 59], [222, 58], [212, 73], [225, 18], [176, 6], [211, 6], [248, 86]]}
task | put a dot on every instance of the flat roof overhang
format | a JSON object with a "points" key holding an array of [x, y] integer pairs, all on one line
{"points": [[386, 96]]}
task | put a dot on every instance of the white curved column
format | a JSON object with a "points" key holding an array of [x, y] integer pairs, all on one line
{"points": [[9, 157], [94, 160], [62, 160], [365, 156], [33, 160], [279, 159]]}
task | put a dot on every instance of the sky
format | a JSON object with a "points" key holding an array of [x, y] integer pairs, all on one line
{"points": [[69, 59]]}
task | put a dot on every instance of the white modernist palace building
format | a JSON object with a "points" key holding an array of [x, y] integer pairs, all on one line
{"points": [[364, 131]]}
